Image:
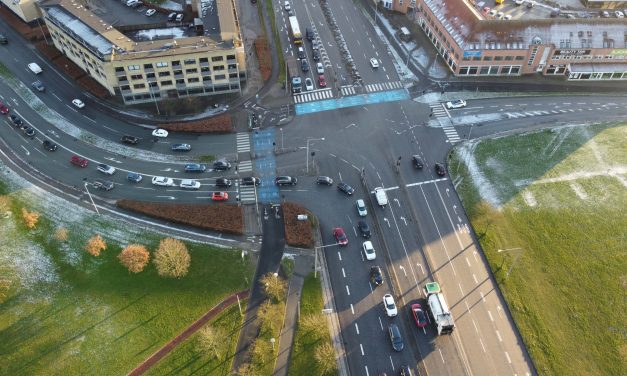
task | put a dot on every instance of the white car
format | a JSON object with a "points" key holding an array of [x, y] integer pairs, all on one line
{"points": [[190, 184], [619, 14], [458, 103], [287, 6], [150, 12], [507, 17], [374, 63], [309, 84], [519, 2], [361, 208], [78, 103], [320, 68], [390, 306], [369, 250], [106, 169], [160, 133], [162, 181]]}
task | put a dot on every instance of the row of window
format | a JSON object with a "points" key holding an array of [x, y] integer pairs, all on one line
{"points": [[73, 50], [588, 57], [493, 58], [598, 76], [177, 63], [490, 70], [181, 81], [138, 98]]}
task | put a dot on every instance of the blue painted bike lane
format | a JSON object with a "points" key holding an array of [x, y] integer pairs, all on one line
{"points": [[351, 101], [265, 165]]}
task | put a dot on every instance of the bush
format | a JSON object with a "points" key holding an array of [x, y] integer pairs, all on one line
{"points": [[61, 234], [221, 217], [134, 257], [297, 233], [263, 55], [30, 218], [95, 245], [217, 124], [171, 258]]}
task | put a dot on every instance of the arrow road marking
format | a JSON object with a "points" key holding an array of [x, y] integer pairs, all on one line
{"points": [[26, 150]]}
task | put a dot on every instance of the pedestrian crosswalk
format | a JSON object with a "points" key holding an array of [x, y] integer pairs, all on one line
{"points": [[243, 142], [384, 86], [245, 166], [311, 96], [438, 110], [516, 115], [247, 194], [347, 90], [451, 134]]}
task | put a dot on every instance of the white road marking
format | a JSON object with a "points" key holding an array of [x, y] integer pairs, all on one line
{"points": [[357, 328], [352, 309], [391, 362], [460, 288], [467, 262], [489, 313], [509, 360], [498, 310], [348, 292], [482, 346], [339, 255], [422, 182], [362, 349], [475, 278], [441, 356], [343, 273], [473, 323], [381, 323], [482, 296], [367, 373], [499, 335]]}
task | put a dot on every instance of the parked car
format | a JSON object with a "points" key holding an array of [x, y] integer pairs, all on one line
{"points": [[346, 188], [162, 181], [419, 315], [49, 145], [374, 63], [364, 229], [376, 276], [301, 53], [103, 184], [15, 120], [190, 184], [150, 12], [395, 337], [315, 55], [250, 181], [78, 161], [134, 177], [619, 14], [417, 161], [285, 180], [309, 34], [39, 86], [439, 169], [361, 208], [324, 180], [78, 103], [181, 147], [304, 65], [322, 82], [369, 251], [340, 236], [309, 86], [458, 103], [28, 132], [220, 196], [179, 17], [105, 169], [221, 165], [3, 109], [130, 140], [195, 167], [160, 133], [389, 305], [223, 182], [320, 68], [171, 16], [3, 39]]}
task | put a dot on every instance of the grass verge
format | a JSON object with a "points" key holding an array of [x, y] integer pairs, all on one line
{"points": [[558, 196], [277, 41]]}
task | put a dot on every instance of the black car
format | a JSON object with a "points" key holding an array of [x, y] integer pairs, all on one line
{"points": [[285, 180], [29, 132], [39, 86], [417, 161], [195, 167], [171, 16], [223, 182], [309, 34], [3, 39], [395, 337], [376, 277], [221, 165], [364, 229], [134, 177], [304, 65], [130, 140], [15, 120], [324, 180], [315, 55], [346, 188], [49, 145], [181, 147], [250, 181], [439, 169], [103, 184]]}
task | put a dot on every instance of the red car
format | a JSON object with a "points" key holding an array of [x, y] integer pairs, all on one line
{"points": [[420, 316], [340, 236], [322, 82], [78, 161], [220, 196], [3, 109]]}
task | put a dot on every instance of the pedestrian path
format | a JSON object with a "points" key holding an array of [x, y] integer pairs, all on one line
{"points": [[351, 101], [243, 142], [311, 96], [451, 134], [245, 166], [371, 88]]}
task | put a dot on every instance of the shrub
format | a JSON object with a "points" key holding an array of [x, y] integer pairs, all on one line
{"points": [[171, 258], [95, 245], [30, 218], [263, 55], [297, 233], [134, 257], [216, 124], [61, 234]]}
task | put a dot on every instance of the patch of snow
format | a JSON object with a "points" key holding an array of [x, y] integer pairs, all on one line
{"points": [[613, 172], [530, 200], [166, 33], [172, 5], [399, 63], [579, 191], [481, 183]]}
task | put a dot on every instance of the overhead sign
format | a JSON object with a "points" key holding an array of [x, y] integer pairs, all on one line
{"points": [[572, 52], [472, 53]]}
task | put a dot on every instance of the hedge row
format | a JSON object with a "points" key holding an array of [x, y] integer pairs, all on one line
{"points": [[221, 217], [297, 233], [263, 55], [217, 124], [48, 51], [93, 87]]}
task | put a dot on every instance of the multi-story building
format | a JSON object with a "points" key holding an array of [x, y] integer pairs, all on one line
{"points": [[145, 58], [475, 41], [27, 10]]}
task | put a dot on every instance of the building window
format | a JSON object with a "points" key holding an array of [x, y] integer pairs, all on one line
{"points": [[232, 66], [192, 80], [204, 69], [137, 77], [153, 84], [515, 69], [133, 67], [150, 75], [147, 66], [164, 74], [498, 58], [206, 78], [218, 68], [166, 83], [176, 63], [217, 58], [220, 76], [190, 61], [191, 71], [519, 58], [125, 87], [203, 60], [181, 82], [162, 64], [487, 58], [230, 57], [233, 75], [119, 69], [509, 58], [139, 86], [177, 72], [122, 78]]}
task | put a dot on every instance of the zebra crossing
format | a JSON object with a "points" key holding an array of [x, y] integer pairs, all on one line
{"points": [[243, 142], [516, 115], [347, 90], [371, 88], [451, 134], [247, 194], [245, 166], [438, 110], [313, 96]]}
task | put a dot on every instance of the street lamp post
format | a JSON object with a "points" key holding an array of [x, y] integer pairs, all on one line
{"points": [[307, 159], [282, 149], [316, 257], [516, 259], [91, 199]]}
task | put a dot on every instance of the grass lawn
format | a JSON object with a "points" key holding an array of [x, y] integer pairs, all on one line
{"points": [[560, 196], [187, 359], [71, 313], [306, 338]]}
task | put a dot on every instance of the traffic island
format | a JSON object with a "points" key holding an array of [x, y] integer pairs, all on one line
{"points": [[299, 223]]}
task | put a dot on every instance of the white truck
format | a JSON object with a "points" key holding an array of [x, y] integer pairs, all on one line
{"points": [[35, 68], [382, 197], [442, 317]]}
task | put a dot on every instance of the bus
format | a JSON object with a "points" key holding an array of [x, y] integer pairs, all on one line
{"points": [[297, 37]]}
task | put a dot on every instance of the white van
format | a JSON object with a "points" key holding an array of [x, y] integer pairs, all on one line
{"points": [[35, 68], [130, 3]]}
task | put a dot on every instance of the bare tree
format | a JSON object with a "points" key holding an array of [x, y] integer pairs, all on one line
{"points": [[325, 358], [313, 323], [134, 257], [171, 258], [61, 234], [211, 339], [274, 286], [30, 218], [95, 245]]}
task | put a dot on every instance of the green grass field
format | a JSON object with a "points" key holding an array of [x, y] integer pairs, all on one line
{"points": [[560, 196], [68, 313]]}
